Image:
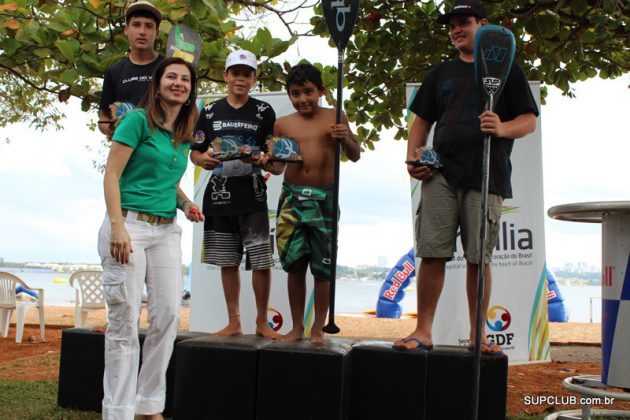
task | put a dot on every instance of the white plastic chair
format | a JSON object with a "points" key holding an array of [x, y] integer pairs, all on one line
{"points": [[9, 303], [89, 294]]}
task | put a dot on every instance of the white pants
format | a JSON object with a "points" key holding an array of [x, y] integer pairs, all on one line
{"points": [[157, 258]]}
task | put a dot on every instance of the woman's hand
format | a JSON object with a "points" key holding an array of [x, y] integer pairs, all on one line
{"points": [[192, 212], [120, 244]]}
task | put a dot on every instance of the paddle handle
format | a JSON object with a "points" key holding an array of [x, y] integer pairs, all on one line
{"points": [[331, 327]]}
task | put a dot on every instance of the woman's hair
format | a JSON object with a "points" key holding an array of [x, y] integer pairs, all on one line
{"points": [[184, 124]]}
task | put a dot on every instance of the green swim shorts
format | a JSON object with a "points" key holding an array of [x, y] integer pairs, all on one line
{"points": [[304, 227]]}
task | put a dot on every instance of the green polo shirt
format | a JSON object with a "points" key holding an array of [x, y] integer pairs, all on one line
{"points": [[149, 181]]}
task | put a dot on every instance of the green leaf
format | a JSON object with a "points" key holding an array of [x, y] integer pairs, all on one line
{"points": [[42, 52], [69, 48], [10, 46], [263, 37], [69, 76]]}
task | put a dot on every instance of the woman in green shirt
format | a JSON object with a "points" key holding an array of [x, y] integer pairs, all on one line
{"points": [[140, 239]]}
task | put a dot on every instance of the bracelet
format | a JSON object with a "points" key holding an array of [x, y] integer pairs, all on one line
{"points": [[182, 204]]}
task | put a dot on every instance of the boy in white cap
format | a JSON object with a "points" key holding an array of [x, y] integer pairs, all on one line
{"points": [[127, 80], [235, 200]]}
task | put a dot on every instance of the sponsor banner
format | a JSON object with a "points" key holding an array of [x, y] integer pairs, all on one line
{"points": [[207, 307], [517, 315]]}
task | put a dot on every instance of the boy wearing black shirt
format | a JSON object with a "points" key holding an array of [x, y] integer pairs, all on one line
{"points": [[235, 200], [451, 197], [127, 80]]}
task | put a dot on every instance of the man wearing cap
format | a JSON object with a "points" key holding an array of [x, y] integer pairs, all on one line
{"points": [[451, 197], [235, 200], [127, 80]]}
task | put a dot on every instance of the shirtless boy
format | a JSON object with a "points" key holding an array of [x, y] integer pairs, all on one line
{"points": [[305, 216]]}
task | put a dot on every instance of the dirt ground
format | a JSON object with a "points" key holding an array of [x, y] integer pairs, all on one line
{"points": [[575, 351]]}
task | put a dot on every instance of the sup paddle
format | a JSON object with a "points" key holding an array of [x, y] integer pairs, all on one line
{"points": [[185, 43], [340, 16], [494, 54]]}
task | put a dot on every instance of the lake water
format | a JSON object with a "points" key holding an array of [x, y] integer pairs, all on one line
{"points": [[352, 297]]}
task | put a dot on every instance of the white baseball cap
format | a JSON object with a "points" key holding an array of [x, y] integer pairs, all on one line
{"points": [[243, 57]]}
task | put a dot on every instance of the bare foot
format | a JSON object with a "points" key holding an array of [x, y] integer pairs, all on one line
{"points": [[99, 328], [264, 330], [317, 336], [412, 342], [229, 331], [295, 334]]}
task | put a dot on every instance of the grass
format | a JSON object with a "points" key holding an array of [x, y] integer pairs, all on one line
{"points": [[32, 400]]}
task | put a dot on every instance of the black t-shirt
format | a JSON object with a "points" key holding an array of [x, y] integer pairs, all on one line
{"points": [[235, 187], [126, 82], [450, 98]]}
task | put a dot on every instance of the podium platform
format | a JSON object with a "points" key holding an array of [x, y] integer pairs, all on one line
{"points": [[300, 377], [82, 364], [252, 378], [387, 383], [450, 381], [217, 377]]}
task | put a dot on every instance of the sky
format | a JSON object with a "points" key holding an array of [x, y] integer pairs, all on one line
{"points": [[51, 196]]}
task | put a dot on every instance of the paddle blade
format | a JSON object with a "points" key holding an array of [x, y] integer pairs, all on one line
{"points": [[340, 16], [185, 43], [494, 54]]}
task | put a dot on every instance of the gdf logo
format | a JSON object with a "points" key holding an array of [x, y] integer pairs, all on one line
{"points": [[491, 84], [498, 319], [340, 17]]}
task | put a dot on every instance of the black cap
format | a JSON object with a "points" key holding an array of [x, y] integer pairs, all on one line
{"points": [[463, 7], [143, 6]]}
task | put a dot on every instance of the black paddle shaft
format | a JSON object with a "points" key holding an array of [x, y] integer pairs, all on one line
{"points": [[340, 16], [331, 327]]}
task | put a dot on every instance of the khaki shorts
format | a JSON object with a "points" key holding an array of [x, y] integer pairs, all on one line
{"points": [[443, 209]]}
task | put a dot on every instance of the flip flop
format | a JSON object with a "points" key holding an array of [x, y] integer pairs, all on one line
{"points": [[420, 346], [486, 348]]}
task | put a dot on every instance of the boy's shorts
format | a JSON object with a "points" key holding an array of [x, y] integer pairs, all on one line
{"points": [[224, 238], [443, 209], [304, 227]]}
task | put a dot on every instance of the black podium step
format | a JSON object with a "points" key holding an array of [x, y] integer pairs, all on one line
{"points": [[300, 380], [82, 364], [387, 383], [450, 382], [217, 378]]}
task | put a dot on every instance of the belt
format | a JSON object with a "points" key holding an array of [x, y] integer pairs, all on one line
{"points": [[151, 219]]}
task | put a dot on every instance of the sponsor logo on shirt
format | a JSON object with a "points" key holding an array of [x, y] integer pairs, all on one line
{"points": [[245, 125], [137, 79]]}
